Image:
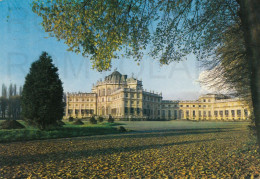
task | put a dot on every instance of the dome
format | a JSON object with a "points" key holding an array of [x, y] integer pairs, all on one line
{"points": [[116, 73], [115, 77]]}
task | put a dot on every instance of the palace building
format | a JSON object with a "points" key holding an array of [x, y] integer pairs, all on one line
{"points": [[124, 98]]}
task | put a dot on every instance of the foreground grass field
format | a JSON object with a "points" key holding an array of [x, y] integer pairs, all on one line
{"points": [[68, 130], [199, 150]]}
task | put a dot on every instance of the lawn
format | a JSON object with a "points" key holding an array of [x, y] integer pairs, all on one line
{"points": [[68, 130], [154, 150]]}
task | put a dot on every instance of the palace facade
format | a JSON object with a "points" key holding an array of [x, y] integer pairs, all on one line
{"points": [[125, 98]]}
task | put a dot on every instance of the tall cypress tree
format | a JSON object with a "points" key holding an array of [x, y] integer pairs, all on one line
{"points": [[42, 104]]}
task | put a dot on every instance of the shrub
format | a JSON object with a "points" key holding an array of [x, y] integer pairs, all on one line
{"points": [[78, 122], [92, 120], [11, 124], [110, 119], [121, 129], [100, 119], [71, 119]]}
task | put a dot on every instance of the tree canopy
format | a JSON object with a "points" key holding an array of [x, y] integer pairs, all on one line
{"points": [[171, 29]]}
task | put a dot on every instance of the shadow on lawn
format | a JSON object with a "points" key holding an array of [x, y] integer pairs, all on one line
{"points": [[158, 133], [72, 153]]}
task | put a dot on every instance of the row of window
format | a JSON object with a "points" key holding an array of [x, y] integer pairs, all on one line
{"points": [[149, 98], [82, 111], [81, 99], [132, 110], [82, 105], [218, 113], [174, 105], [204, 106]]}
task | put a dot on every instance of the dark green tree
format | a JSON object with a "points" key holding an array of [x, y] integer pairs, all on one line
{"points": [[42, 104], [4, 101]]}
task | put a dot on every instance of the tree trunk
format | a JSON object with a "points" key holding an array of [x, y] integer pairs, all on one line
{"points": [[250, 17]]}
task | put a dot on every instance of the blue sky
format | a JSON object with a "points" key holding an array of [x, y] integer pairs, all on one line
{"points": [[22, 40]]}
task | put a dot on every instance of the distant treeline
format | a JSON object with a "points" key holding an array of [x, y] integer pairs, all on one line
{"points": [[10, 102]]}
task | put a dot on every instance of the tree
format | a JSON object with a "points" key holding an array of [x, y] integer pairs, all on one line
{"points": [[102, 28], [42, 94], [3, 101], [228, 70]]}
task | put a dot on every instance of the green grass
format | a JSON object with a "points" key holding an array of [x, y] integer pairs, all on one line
{"points": [[68, 130]]}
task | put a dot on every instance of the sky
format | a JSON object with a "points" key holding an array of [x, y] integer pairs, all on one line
{"points": [[22, 40]]}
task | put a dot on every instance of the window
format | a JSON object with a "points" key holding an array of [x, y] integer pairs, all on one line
{"points": [[158, 112], [204, 106], [169, 113], [193, 106], [199, 113], [163, 113], [187, 106], [82, 111], [132, 95], [209, 113], [132, 110], [175, 114], [126, 95], [204, 113], [138, 95], [246, 112], [233, 113], [199, 106], [126, 110], [187, 114], [221, 113], [204, 100], [216, 113], [239, 113], [138, 110], [108, 91], [194, 114], [226, 112], [180, 105], [169, 105]]}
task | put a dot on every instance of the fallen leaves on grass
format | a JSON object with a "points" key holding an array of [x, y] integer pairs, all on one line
{"points": [[171, 154]]}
